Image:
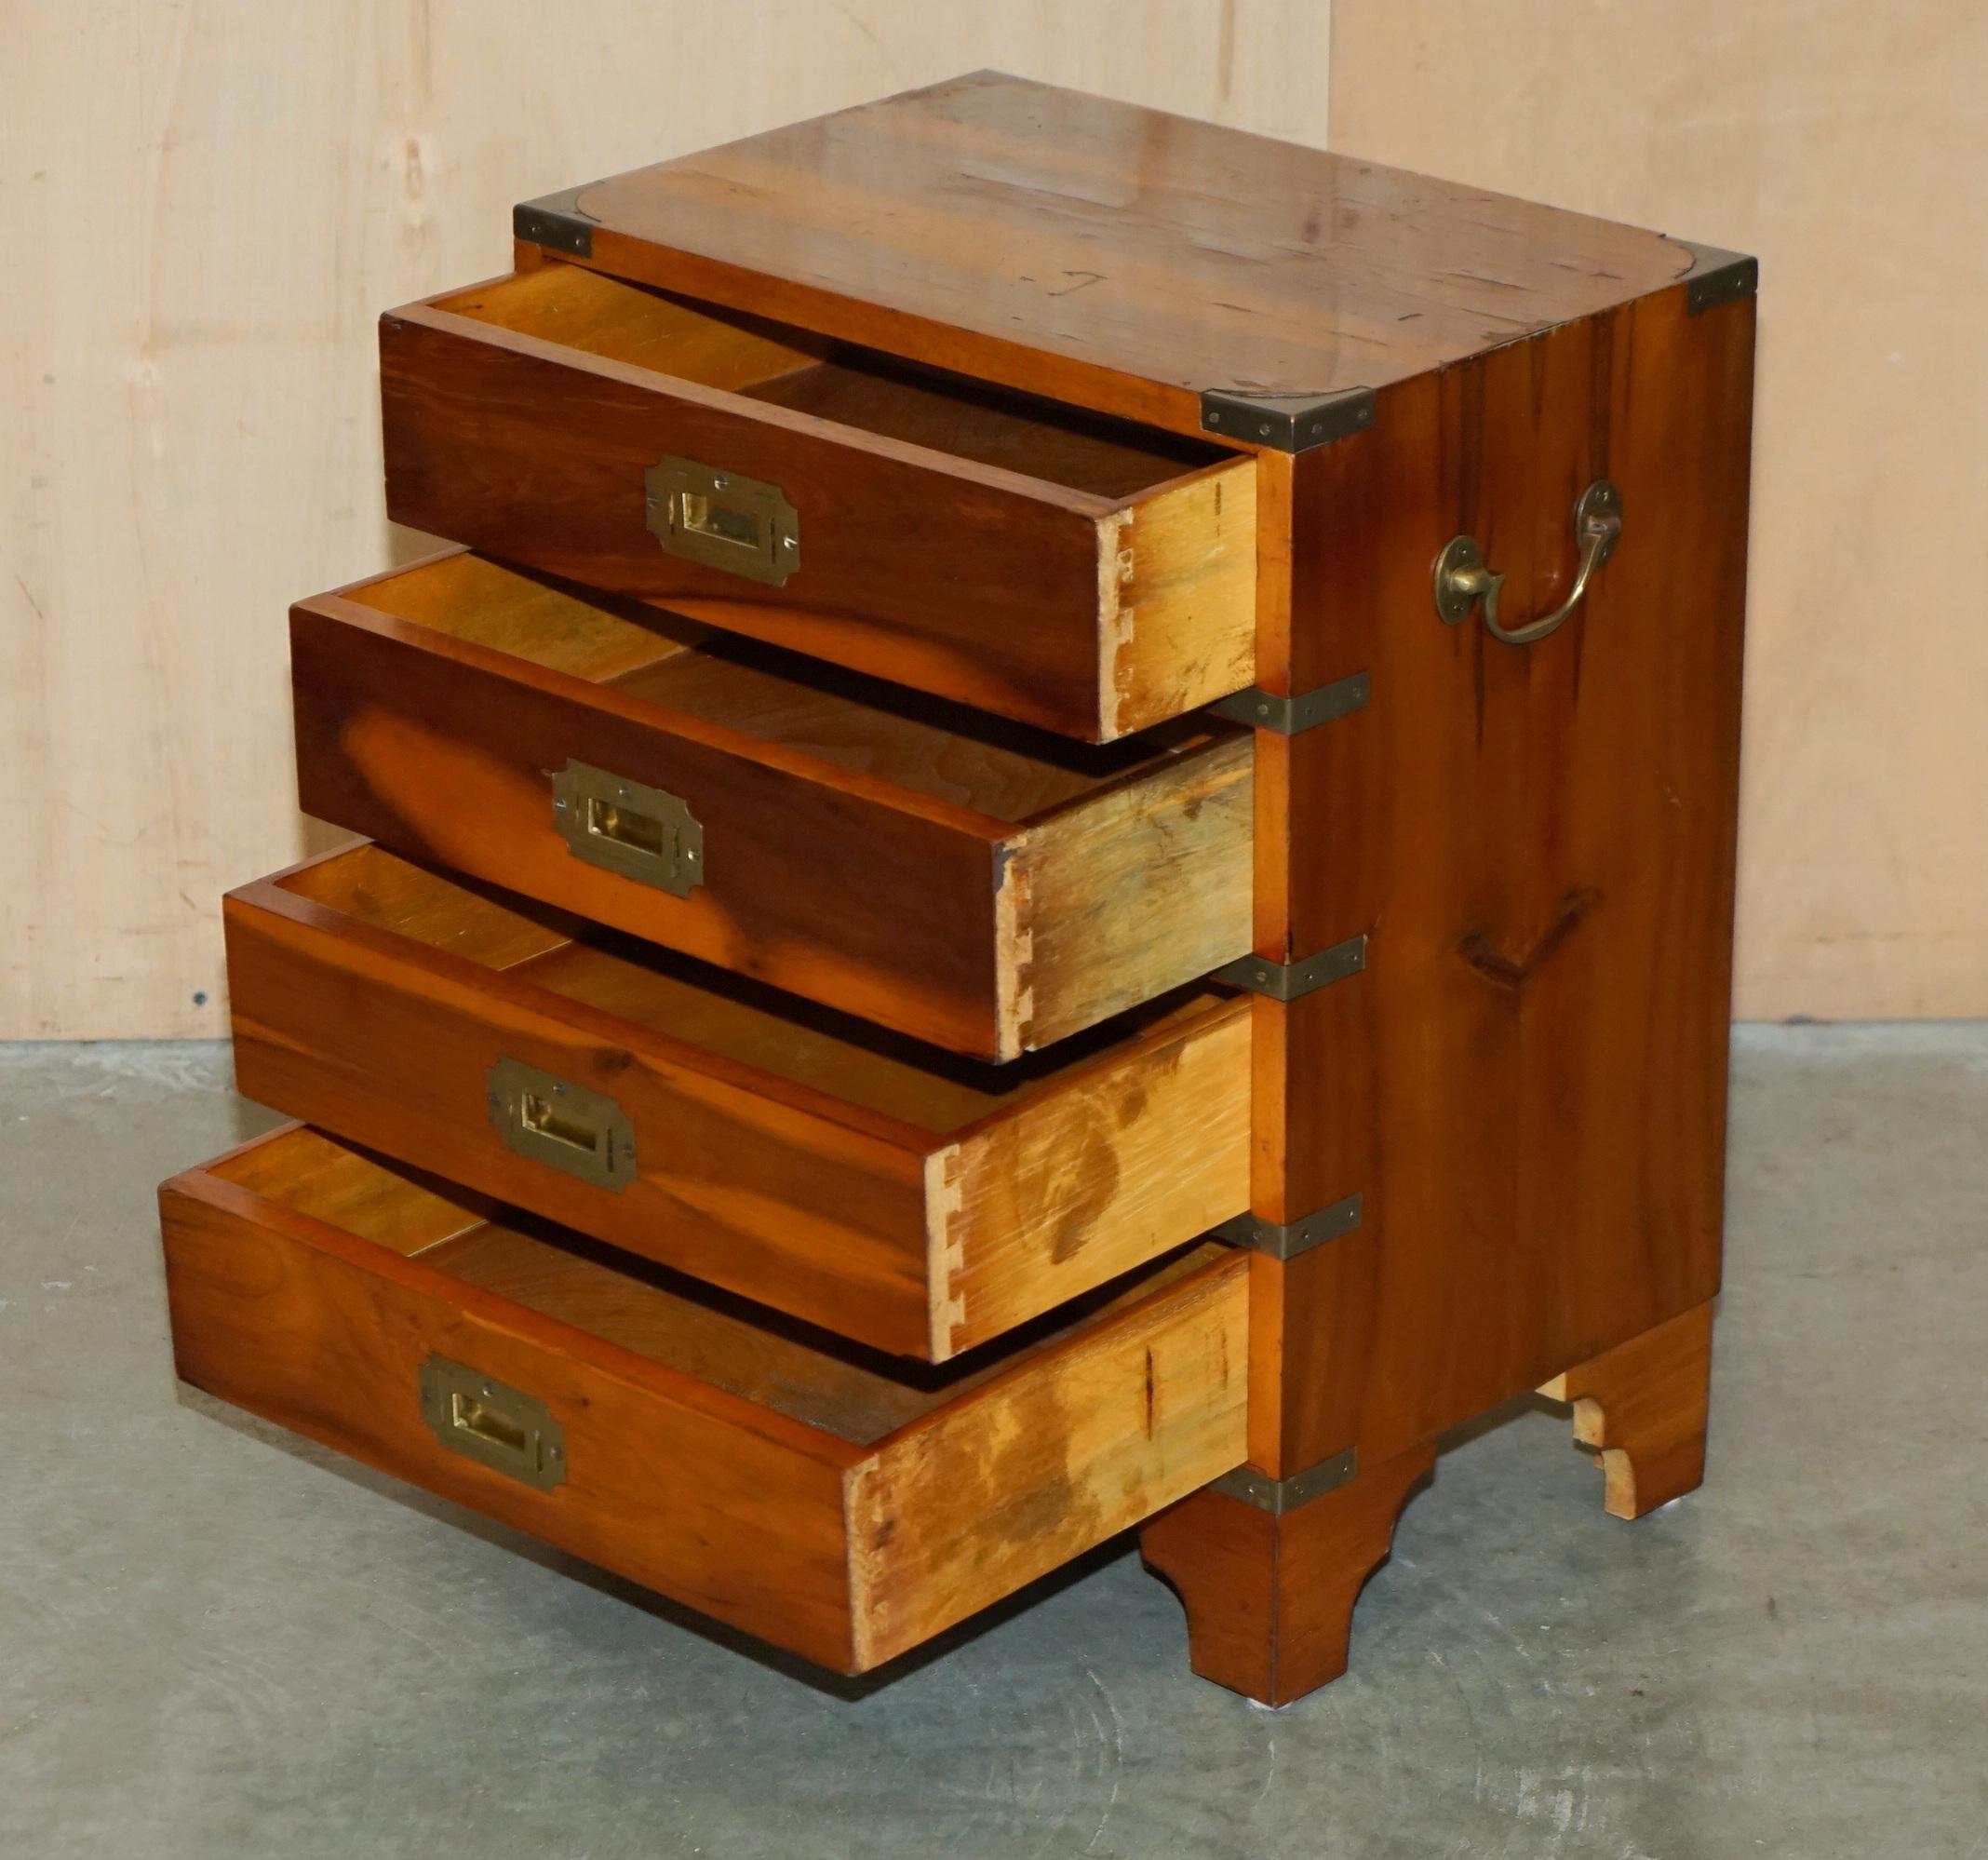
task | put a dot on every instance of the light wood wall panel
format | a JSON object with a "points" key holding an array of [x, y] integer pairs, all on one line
{"points": [[205, 207], [1848, 145]]}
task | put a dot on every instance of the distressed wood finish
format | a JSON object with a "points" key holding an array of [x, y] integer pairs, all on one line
{"points": [[1270, 1599], [971, 883], [919, 1204], [1077, 573], [836, 1504], [1642, 1409], [1104, 253]]}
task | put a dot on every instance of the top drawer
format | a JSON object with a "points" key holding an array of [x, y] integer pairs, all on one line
{"points": [[1050, 565]]}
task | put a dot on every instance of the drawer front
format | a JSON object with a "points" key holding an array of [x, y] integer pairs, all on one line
{"points": [[920, 1205], [459, 739], [821, 1503], [1092, 614]]}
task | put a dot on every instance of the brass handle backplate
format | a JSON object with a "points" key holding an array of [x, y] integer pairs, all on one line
{"points": [[643, 833], [1462, 580], [723, 520], [563, 1124], [500, 1427]]}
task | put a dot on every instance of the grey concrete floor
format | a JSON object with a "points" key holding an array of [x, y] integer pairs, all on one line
{"points": [[216, 1642]]}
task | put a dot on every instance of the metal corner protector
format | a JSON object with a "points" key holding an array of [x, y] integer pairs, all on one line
{"points": [[1717, 276], [556, 222], [1290, 422]]}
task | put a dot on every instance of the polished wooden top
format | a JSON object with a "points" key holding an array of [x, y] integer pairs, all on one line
{"points": [[1098, 251]]}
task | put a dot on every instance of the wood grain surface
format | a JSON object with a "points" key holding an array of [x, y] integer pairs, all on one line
{"points": [[1642, 1408], [1088, 577], [1833, 150], [980, 885], [1527, 1083], [870, 1185], [1108, 254], [207, 210], [191, 383], [1270, 1599], [824, 1500]]}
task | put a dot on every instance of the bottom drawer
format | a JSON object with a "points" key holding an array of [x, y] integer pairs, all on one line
{"points": [[840, 1503]]}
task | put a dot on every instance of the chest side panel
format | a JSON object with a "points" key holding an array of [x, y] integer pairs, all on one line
{"points": [[1528, 1080]]}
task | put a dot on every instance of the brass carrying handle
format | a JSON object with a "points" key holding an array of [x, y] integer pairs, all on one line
{"points": [[1462, 580]]}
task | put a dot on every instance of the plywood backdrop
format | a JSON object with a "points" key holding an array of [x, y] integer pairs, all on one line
{"points": [[205, 207], [1846, 144]]}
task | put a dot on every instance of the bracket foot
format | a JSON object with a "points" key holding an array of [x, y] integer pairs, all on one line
{"points": [[1269, 1596], [1642, 1408]]}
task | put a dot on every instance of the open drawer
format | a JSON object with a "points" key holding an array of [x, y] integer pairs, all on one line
{"points": [[842, 1505], [885, 1191], [1034, 560], [966, 880]]}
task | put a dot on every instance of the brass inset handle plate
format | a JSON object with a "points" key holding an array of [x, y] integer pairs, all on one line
{"points": [[1462, 580], [726, 522], [562, 1125], [502, 1428], [644, 833]]}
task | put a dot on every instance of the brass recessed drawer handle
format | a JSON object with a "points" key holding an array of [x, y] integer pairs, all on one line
{"points": [[500, 1427], [722, 519], [1462, 580], [643, 833], [565, 1126]]}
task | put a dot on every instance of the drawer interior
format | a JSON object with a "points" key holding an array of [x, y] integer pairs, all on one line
{"points": [[758, 360], [1002, 771], [841, 1503], [856, 1394], [741, 1023]]}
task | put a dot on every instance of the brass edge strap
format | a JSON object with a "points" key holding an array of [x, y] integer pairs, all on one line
{"points": [[1286, 1240], [1288, 981], [1717, 276], [1278, 1496], [1292, 423], [556, 222], [1287, 716]]}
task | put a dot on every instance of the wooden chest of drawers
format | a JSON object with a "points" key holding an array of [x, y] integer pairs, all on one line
{"points": [[1056, 854]]}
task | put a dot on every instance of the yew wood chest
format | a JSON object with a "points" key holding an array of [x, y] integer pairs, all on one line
{"points": [[1053, 853]]}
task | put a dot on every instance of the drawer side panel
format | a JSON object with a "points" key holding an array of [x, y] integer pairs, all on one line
{"points": [[1086, 1183], [1145, 889], [1048, 1462]]}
